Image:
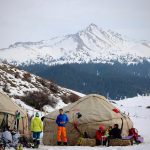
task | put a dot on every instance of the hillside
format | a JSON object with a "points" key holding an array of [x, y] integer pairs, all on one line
{"points": [[32, 89]]}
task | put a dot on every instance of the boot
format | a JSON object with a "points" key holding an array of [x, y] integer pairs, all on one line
{"points": [[38, 143], [65, 143], [59, 143], [35, 144]]}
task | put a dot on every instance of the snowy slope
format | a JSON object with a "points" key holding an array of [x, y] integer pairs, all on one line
{"points": [[18, 84], [93, 44]]}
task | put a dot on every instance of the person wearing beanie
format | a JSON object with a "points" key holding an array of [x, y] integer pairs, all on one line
{"points": [[36, 129]]}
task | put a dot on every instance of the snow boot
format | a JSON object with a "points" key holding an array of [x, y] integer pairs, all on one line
{"points": [[59, 143], [65, 143]]}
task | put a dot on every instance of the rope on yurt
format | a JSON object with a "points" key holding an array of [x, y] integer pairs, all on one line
{"points": [[127, 124], [23, 124], [121, 124]]}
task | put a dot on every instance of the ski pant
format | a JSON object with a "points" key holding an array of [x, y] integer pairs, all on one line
{"points": [[61, 134], [36, 137]]}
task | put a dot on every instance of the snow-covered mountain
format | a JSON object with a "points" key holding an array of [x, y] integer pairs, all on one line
{"points": [[33, 90], [93, 44]]}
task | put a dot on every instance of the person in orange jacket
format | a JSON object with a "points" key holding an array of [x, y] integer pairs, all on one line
{"points": [[61, 121]]}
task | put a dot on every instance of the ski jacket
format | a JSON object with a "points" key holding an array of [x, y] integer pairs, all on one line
{"points": [[115, 133], [36, 125], [62, 120], [99, 135]]}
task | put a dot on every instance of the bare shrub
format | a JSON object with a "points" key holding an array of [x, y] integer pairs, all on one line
{"points": [[73, 97], [6, 88], [42, 81], [53, 88], [70, 98], [38, 99], [53, 101], [65, 99], [27, 76]]}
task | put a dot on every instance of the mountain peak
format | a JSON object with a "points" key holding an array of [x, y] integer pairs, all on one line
{"points": [[91, 27]]}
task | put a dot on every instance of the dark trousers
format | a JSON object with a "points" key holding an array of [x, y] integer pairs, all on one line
{"points": [[36, 137], [99, 142]]}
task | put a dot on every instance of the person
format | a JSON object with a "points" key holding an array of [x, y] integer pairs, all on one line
{"points": [[107, 132], [134, 134], [17, 118], [36, 129], [61, 121], [100, 137], [115, 132]]}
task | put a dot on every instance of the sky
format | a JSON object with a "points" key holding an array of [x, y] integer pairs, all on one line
{"points": [[35, 20]]}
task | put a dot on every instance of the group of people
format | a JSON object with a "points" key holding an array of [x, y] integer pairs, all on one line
{"points": [[102, 135], [11, 138], [37, 127]]}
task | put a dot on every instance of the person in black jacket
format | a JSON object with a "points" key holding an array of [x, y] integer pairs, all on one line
{"points": [[115, 133]]}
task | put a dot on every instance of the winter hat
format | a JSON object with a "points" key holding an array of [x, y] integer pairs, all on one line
{"points": [[37, 114], [101, 127]]}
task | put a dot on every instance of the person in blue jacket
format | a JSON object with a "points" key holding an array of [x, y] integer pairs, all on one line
{"points": [[61, 121]]}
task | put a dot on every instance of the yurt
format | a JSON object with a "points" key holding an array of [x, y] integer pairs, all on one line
{"points": [[85, 115], [7, 114]]}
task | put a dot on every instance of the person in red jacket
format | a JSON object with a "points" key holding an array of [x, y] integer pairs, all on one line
{"points": [[134, 133], [100, 138]]}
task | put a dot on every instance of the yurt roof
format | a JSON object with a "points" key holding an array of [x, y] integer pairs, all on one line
{"points": [[92, 107], [8, 106]]}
